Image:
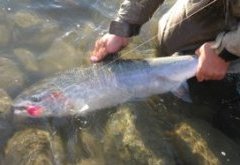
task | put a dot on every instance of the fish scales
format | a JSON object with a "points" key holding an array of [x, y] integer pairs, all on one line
{"points": [[83, 90]]}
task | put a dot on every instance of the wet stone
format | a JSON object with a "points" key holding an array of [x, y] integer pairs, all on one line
{"points": [[33, 146], [26, 19], [130, 141], [27, 59], [12, 79], [60, 56], [199, 143], [5, 102], [2, 15], [45, 34], [33, 29], [86, 34], [194, 140], [6, 127], [94, 149], [5, 35]]}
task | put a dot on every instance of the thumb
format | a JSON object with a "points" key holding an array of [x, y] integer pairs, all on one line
{"points": [[197, 52]]}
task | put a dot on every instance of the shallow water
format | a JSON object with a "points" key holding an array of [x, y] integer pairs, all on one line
{"points": [[39, 38]]}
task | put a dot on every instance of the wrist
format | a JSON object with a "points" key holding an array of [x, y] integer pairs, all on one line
{"points": [[124, 29], [227, 56], [119, 39]]}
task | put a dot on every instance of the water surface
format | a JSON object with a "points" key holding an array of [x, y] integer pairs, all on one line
{"points": [[40, 38]]}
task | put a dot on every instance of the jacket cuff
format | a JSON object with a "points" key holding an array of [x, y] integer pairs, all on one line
{"points": [[227, 56], [124, 29]]}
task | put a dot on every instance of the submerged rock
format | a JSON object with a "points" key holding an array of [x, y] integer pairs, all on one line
{"points": [[199, 143], [45, 34], [82, 39], [27, 59], [34, 147], [5, 35], [3, 15], [130, 138], [26, 19], [58, 57], [5, 102], [6, 128], [33, 29], [93, 148], [12, 79], [140, 135]]}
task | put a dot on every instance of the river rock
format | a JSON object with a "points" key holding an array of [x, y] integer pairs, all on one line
{"points": [[5, 102], [26, 19], [5, 35], [94, 149], [3, 14], [199, 143], [46, 34], [78, 38], [34, 146], [135, 136], [163, 133], [33, 29], [12, 79], [58, 57], [27, 59], [6, 127]]}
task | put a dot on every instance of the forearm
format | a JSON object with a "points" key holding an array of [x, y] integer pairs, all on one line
{"points": [[229, 44], [131, 15], [137, 11]]}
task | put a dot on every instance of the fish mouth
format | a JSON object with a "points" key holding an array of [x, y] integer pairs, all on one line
{"points": [[19, 109], [27, 110]]}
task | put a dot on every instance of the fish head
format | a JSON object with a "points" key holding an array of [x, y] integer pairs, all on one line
{"points": [[41, 104]]}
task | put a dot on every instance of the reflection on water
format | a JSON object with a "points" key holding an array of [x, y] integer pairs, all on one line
{"points": [[39, 38]]}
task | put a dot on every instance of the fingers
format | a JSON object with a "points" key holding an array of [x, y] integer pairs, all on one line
{"points": [[99, 55], [99, 51], [210, 65], [204, 75], [200, 73], [197, 52], [109, 43]]}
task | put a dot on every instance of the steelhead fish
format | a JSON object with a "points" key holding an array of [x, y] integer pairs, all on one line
{"points": [[101, 86]]}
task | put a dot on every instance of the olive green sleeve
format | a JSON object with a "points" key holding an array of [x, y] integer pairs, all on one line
{"points": [[229, 44], [137, 11], [132, 15]]}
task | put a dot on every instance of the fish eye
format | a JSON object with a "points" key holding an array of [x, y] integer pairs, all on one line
{"points": [[35, 98]]}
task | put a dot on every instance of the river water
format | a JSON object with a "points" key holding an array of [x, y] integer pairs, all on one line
{"points": [[40, 38]]}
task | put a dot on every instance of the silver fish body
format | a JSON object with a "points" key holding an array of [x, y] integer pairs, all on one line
{"points": [[102, 86]]}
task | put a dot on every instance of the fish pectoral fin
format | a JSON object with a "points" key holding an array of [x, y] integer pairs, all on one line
{"points": [[83, 109], [182, 92]]}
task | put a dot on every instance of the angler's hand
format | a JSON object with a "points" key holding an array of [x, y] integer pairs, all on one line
{"points": [[109, 43], [210, 65]]}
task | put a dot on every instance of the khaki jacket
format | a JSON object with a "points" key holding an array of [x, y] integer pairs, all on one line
{"points": [[138, 12], [235, 7], [231, 40]]}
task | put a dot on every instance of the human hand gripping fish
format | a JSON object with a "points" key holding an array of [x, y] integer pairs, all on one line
{"points": [[210, 66], [106, 45]]}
